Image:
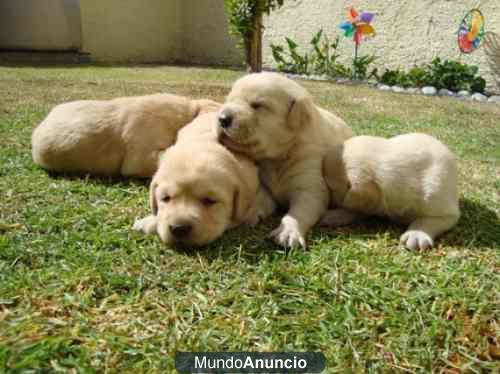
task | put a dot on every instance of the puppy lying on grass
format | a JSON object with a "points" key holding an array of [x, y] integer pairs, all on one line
{"points": [[202, 189], [274, 121], [123, 136], [411, 179]]}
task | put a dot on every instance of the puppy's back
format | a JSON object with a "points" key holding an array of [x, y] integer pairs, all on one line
{"points": [[426, 168], [100, 136], [415, 173], [73, 132]]}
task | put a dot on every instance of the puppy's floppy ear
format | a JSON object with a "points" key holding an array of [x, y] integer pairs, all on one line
{"points": [[152, 197], [241, 204], [245, 190], [301, 111]]}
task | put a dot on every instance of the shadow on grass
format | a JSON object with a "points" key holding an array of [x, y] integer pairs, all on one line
{"points": [[93, 179], [244, 243], [478, 228]]}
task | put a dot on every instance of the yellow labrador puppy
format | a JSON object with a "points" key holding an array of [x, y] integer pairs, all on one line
{"points": [[410, 178], [273, 120], [201, 189], [113, 137]]}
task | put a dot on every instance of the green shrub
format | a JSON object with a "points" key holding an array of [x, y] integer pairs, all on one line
{"points": [[320, 59], [361, 65], [291, 61], [393, 78], [478, 84], [324, 56], [417, 77], [451, 75]]}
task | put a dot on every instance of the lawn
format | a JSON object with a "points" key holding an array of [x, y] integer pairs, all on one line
{"points": [[79, 289]]}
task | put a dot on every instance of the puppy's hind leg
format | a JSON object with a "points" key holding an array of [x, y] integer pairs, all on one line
{"points": [[422, 232], [140, 162]]}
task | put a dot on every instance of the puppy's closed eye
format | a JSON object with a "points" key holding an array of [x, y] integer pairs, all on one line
{"points": [[207, 201], [256, 105], [165, 198]]}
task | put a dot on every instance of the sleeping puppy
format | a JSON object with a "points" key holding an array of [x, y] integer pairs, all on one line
{"points": [[202, 189], [411, 179], [274, 121], [113, 137]]}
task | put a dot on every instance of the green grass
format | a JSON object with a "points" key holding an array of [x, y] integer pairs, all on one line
{"points": [[79, 289]]}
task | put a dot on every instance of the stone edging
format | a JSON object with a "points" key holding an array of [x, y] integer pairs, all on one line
{"points": [[427, 91]]}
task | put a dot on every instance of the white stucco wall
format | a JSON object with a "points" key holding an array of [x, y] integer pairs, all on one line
{"points": [[206, 39], [409, 32], [171, 31], [40, 25], [131, 30]]}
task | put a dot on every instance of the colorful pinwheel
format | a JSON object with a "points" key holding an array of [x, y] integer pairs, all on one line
{"points": [[358, 25], [471, 31]]}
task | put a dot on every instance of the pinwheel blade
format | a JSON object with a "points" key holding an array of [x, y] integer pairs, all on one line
{"points": [[348, 28], [367, 17], [465, 44], [474, 30], [365, 29], [353, 15]]}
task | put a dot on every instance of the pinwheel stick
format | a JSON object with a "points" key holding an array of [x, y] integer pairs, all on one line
{"points": [[354, 64]]}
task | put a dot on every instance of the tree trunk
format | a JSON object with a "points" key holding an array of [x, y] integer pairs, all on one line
{"points": [[253, 47]]}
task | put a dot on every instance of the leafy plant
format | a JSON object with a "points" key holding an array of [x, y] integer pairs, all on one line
{"points": [[417, 77], [291, 61], [478, 84], [321, 59], [361, 65], [455, 76], [396, 78], [245, 21], [325, 55], [451, 75]]}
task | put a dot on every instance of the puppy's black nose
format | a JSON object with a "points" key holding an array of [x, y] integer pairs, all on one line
{"points": [[225, 120], [180, 231]]}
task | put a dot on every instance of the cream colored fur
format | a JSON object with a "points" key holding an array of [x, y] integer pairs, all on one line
{"points": [[411, 179], [123, 136], [275, 122], [201, 184]]}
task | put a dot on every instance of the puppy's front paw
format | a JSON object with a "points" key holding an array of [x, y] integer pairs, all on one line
{"points": [[146, 224], [415, 239], [288, 234]]}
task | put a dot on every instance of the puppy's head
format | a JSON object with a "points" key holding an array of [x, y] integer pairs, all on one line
{"points": [[263, 114], [197, 193]]}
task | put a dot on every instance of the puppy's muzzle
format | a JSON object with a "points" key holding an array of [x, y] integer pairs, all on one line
{"points": [[180, 231], [225, 120]]}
